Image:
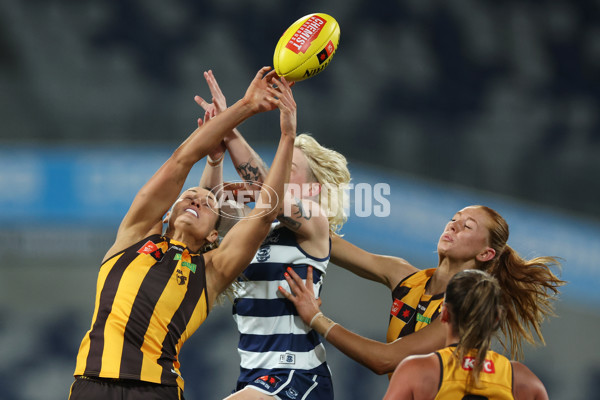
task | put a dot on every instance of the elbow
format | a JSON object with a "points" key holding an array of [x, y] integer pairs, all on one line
{"points": [[384, 368], [382, 364], [182, 159]]}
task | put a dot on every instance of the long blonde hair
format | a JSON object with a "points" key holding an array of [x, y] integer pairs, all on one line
{"points": [[330, 170], [473, 299], [528, 287]]}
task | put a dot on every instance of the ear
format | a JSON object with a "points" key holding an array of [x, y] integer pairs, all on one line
{"points": [[314, 189], [486, 255], [444, 314], [213, 236]]}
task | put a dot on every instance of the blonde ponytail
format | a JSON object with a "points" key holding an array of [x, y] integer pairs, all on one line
{"points": [[528, 287]]}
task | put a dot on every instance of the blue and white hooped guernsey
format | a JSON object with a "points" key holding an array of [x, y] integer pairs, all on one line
{"points": [[273, 337]]}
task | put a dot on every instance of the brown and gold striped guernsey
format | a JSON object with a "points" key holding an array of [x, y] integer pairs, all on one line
{"points": [[150, 298], [495, 379], [412, 309]]}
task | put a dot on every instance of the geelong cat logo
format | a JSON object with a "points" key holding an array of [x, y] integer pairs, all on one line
{"points": [[263, 254]]}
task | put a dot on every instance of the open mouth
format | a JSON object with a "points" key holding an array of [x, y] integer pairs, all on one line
{"points": [[192, 211]]}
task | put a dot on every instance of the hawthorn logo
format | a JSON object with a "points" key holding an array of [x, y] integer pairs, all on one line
{"points": [[233, 196]]}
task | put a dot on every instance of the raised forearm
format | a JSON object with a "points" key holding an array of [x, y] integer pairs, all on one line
{"points": [[380, 357], [210, 134], [247, 162], [279, 174], [212, 176], [376, 356]]}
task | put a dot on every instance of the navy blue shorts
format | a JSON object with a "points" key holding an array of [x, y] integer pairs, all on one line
{"points": [[293, 385]]}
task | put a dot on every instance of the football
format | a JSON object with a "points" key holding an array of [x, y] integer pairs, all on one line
{"points": [[306, 47]]}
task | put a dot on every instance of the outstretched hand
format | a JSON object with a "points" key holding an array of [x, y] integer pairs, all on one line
{"points": [[258, 96], [303, 295], [211, 110], [281, 90], [219, 103]]}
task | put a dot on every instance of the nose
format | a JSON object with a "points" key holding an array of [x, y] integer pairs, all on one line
{"points": [[195, 202], [453, 226]]}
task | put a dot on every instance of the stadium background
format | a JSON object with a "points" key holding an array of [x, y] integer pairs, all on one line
{"points": [[450, 103]]}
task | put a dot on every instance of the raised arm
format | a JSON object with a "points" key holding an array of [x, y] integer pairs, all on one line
{"points": [[237, 249], [247, 162], [379, 268], [160, 192], [302, 216], [379, 357]]}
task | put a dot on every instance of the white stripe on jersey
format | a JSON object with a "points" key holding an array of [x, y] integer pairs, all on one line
{"points": [[285, 324], [274, 359], [268, 289], [289, 255]]}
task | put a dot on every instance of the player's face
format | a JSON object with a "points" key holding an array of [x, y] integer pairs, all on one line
{"points": [[196, 209], [466, 235], [300, 175]]}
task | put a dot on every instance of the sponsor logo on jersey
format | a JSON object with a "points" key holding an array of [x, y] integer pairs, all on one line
{"points": [[287, 358], [188, 265], [151, 249], [267, 381], [402, 311], [422, 318], [469, 363]]}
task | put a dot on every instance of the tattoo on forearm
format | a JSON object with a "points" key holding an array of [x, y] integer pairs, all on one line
{"points": [[250, 173]]}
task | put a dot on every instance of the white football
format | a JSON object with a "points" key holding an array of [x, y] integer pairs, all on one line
{"points": [[306, 47]]}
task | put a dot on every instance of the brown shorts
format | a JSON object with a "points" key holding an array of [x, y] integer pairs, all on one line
{"points": [[92, 388]]}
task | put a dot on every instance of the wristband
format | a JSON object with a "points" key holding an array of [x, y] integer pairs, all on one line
{"points": [[315, 317], [214, 163], [328, 329]]}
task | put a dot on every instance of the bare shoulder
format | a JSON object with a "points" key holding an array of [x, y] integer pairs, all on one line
{"points": [[421, 372], [422, 360], [526, 384], [424, 367]]}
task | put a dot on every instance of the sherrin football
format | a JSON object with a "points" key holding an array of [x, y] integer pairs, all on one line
{"points": [[306, 47]]}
